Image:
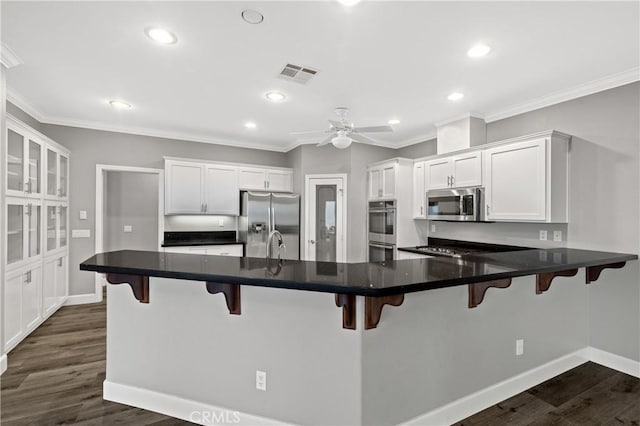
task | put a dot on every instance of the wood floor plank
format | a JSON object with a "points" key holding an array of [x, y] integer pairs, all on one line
{"points": [[516, 411]]}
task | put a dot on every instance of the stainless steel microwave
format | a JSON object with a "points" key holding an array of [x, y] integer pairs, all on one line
{"points": [[464, 204]]}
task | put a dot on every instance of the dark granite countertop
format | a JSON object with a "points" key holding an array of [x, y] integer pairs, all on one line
{"points": [[366, 279], [208, 238]]}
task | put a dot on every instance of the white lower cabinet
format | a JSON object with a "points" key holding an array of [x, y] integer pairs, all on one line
{"points": [[54, 286], [23, 287], [216, 250]]}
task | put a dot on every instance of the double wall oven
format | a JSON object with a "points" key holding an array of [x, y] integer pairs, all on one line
{"points": [[382, 230]]}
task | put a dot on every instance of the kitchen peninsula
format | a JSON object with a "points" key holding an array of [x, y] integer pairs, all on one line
{"points": [[318, 371]]}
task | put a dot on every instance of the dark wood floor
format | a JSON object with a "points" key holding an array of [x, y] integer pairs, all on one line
{"points": [[55, 377]]}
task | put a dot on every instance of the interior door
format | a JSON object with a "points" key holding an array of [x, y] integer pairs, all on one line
{"points": [[325, 224]]}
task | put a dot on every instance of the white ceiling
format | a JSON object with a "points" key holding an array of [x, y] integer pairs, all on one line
{"points": [[383, 60]]}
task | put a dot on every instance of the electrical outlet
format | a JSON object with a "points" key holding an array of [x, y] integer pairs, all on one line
{"points": [[433, 227], [543, 235], [519, 347], [128, 228], [557, 235], [261, 380], [221, 222]]}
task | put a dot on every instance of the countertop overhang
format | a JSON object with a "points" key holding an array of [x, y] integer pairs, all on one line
{"points": [[361, 279]]}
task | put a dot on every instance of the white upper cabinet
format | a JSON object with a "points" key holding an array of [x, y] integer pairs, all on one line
{"points": [[23, 163], [184, 187], [24, 231], [419, 191], [526, 181], [57, 173], [454, 172], [257, 179], [221, 190], [382, 181]]}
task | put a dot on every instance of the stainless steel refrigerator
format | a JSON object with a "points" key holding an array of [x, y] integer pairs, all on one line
{"points": [[261, 213]]}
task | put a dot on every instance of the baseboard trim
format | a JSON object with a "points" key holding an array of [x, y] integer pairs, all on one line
{"points": [[3, 363], [185, 409], [482, 399], [616, 362], [82, 299]]}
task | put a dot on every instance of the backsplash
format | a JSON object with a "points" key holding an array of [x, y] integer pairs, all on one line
{"points": [[183, 223], [519, 234]]}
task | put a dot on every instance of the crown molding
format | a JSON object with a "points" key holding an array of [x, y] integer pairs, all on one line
{"points": [[8, 57], [19, 101], [588, 88], [423, 138], [459, 117]]}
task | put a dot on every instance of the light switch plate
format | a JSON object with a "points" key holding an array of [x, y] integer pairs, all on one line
{"points": [[557, 235], [433, 227], [128, 228], [80, 233], [83, 215], [543, 235]]}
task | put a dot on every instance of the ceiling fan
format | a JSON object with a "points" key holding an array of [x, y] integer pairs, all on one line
{"points": [[342, 132]]}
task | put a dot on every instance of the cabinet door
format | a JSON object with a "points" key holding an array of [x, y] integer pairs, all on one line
{"points": [[375, 183], [279, 181], [16, 219], [222, 195], [389, 181], [516, 181], [13, 308], [51, 221], [51, 158], [253, 179], [15, 163], [184, 188], [438, 173], [62, 279], [33, 231], [226, 250], [49, 293], [62, 225], [31, 302], [33, 173], [419, 192], [467, 170], [63, 176]]}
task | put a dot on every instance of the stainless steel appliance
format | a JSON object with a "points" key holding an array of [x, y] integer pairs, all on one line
{"points": [[382, 221], [381, 252], [464, 204], [264, 212]]}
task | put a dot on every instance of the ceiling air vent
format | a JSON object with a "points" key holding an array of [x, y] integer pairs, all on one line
{"points": [[297, 73]]}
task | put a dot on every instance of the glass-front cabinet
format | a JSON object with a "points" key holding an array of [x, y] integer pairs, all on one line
{"points": [[57, 174], [56, 227], [24, 230], [23, 163]]}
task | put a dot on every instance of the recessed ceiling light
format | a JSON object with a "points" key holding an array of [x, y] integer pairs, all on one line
{"points": [[394, 121], [250, 125], [349, 3], [455, 96], [119, 104], [478, 51], [275, 96], [252, 16], [160, 35]]}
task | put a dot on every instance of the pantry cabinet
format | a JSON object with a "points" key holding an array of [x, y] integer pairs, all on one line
{"points": [[526, 180], [35, 200], [419, 191]]}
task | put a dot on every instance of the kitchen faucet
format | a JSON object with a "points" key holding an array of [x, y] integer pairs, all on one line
{"points": [[281, 246]]}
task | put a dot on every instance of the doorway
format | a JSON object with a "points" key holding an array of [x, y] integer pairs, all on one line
{"points": [[129, 211], [326, 218]]}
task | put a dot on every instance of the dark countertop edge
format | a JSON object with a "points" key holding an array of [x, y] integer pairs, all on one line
{"points": [[358, 291], [200, 243]]}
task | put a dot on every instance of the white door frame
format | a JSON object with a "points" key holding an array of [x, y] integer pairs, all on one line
{"points": [[101, 170], [307, 197]]}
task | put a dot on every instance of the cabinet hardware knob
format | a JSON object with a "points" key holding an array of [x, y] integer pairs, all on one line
{"points": [[312, 241]]}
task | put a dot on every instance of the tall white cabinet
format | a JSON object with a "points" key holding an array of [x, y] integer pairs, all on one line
{"points": [[35, 229]]}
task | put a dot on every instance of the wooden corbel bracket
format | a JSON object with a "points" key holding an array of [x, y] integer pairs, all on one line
{"points": [[373, 308], [231, 295], [139, 284], [543, 281], [348, 304], [593, 272], [478, 290]]}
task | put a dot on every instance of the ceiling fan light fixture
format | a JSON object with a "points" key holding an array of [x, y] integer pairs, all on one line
{"points": [[341, 141]]}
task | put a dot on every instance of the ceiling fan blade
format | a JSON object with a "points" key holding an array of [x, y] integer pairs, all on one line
{"points": [[337, 124], [311, 132], [362, 138], [326, 141], [373, 129]]}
